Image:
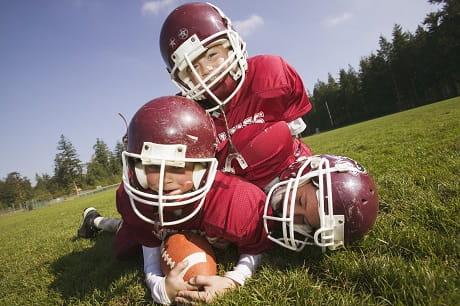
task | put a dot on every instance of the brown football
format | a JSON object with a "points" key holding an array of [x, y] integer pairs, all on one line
{"points": [[193, 247]]}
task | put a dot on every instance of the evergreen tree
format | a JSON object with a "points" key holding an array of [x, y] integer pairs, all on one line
{"points": [[348, 94], [98, 170], [317, 118], [376, 86], [116, 163], [97, 175], [101, 153], [444, 45], [44, 188], [67, 166], [408, 71], [3, 202], [15, 191]]}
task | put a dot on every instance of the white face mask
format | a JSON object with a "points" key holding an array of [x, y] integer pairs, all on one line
{"points": [[162, 156], [282, 198], [234, 66]]}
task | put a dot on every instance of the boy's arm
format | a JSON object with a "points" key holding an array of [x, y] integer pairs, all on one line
{"points": [[246, 266], [163, 288], [153, 275]]}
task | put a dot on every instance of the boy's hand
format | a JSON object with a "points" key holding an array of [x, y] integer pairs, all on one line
{"points": [[211, 287], [175, 283]]}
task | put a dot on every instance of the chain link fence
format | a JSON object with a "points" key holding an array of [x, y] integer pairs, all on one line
{"points": [[35, 205]]}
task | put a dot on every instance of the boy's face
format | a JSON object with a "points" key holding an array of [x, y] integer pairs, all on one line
{"points": [[176, 180], [306, 206], [206, 63]]}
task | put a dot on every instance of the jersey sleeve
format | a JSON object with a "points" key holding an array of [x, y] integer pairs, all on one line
{"points": [[236, 215], [277, 83], [297, 102], [140, 231]]}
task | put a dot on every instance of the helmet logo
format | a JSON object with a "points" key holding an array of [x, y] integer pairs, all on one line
{"points": [[182, 34], [172, 43]]}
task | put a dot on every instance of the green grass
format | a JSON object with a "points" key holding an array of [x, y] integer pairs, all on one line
{"points": [[411, 257]]}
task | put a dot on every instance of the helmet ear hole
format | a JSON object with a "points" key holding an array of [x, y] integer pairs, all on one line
{"points": [[199, 171]]}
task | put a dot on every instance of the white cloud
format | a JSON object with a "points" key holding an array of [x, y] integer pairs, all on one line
{"points": [[333, 21], [248, 26], [153, 7]]}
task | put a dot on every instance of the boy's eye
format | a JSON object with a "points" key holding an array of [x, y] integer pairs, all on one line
{"points": [[175, 169], [152, 168], [194, 65]]}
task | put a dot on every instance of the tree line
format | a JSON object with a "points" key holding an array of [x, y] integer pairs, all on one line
{"points": [[410, 70], [70, 175]]}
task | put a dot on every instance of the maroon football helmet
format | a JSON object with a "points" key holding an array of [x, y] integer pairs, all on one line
{"points": [[347, 202], [188, 32], [169, 131]]}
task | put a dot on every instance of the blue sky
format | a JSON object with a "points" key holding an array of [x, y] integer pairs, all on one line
{"points": [[70, 66]]}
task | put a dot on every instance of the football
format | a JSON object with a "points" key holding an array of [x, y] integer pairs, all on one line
{"points": [[191, 247]]}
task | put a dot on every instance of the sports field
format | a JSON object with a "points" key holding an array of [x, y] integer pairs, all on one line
{"points": [[410, 258]]}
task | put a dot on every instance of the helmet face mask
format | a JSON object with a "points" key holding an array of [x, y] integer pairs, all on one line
{"points": [[188, 138], [347, 203], [188, 32], [207, 87], [160, 202]]}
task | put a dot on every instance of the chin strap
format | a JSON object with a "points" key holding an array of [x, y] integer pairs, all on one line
{"points": [[235, 155], [303, 229]]}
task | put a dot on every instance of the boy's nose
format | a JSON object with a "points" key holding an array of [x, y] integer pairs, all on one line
{"points": [[206, 70]]}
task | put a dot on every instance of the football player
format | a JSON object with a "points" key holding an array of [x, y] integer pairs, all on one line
{"points": [[257, 106], [253, 101], [326, 200], [170, 183]]}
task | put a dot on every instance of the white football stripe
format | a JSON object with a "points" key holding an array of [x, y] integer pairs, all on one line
{"points": [[193, 259]]}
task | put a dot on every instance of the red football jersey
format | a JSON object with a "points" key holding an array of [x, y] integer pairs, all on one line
{"points": [[232, 210], [272, 95]]}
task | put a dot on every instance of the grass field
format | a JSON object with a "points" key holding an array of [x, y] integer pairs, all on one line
{"points": [[410, 258]]}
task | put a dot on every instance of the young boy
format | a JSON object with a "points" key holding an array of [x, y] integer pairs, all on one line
{"points": [[253, 102], [325, 200], [257, 106], [170, 184]]}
